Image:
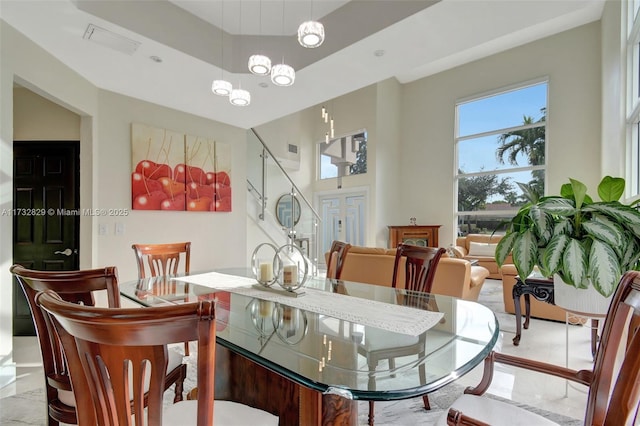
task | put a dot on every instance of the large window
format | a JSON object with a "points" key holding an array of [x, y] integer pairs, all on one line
{"points": [[343, 156], [633, 97], [500, 142]]}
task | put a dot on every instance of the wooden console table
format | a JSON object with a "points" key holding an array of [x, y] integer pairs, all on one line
{"points": [[417, 235]]}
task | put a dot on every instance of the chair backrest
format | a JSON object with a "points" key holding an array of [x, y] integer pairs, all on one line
{"points": [[112, 355], [420, 266], [161, 259], [337, 255], [612, 375], [74, 287]]}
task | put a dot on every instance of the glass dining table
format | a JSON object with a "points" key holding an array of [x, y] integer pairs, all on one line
{"points": [[309, 358]]}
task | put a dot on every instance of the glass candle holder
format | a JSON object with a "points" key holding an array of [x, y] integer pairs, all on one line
{"points": [[265, 264], [293, 267]]}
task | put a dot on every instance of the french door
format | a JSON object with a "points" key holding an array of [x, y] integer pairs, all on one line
{"points": [[343, 218]]}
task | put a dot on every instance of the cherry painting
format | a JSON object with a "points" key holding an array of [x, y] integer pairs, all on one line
{"points": [[172, 171]]}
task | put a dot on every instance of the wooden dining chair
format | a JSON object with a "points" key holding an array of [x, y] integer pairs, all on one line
{"points": [[75, 287], [614, 381], [160, 260], [420, 265], [113, 354], [337, 254]]}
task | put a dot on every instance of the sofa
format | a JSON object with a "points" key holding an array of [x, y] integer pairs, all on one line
{"points": [[481, 247], [542, 310], [374, 265]]}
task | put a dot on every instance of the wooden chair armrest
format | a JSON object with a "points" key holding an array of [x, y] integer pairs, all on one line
{"points": [[584, 377], [456, 418]]}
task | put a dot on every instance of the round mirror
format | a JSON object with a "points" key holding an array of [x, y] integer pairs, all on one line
{"points": [[288, 210]]}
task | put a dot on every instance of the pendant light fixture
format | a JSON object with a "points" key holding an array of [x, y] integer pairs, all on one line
{"points": [[221, 87], [311, 33], [260, 64], [240, 97], [283, 74]]}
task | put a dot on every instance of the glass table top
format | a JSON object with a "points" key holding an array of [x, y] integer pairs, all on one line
{"points": [[332, 355]]}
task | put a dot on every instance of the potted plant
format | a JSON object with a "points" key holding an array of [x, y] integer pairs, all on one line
{"points": [[587, 244]]}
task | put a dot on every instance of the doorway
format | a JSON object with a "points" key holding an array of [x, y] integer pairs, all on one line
{"points": [[46, 215], [343, 218]]}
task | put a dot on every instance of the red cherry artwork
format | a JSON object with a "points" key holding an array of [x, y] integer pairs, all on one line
{"points": [[223, 205], [149, 201], [145, 167], [202, 204], [177, 203], [195, 191], [141, 185], [170, 187]]}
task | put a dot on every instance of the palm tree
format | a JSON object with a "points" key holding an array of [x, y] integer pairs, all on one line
{"points": [[529, 142]]}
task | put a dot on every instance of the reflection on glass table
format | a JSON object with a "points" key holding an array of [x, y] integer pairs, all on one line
{"points": [[328, 354]]}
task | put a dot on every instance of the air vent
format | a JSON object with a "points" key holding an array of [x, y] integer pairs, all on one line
{"points": [[110, 39], [293, 149]]}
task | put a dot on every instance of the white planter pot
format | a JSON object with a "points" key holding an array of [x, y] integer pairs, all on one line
{"points": [[580, 301]]}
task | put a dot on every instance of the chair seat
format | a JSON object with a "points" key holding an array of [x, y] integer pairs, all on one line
{"points": [[226, 413], [175, 359], [495, 413], [376, 339]]}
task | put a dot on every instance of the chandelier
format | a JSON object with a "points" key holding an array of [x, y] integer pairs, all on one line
{"points": [[259, 65], [310, 34], [240, 97], [283, 75], [221, 87]]}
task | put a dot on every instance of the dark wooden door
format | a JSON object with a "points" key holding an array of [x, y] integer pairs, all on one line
{"points": [[46, 216]]}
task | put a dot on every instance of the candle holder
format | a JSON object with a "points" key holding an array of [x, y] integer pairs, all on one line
{"points": [[265, 265], [293, 267], [287, 265], [290, 324]]}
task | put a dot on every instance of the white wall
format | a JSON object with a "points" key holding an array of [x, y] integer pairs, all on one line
{"points": [[29, 65], [571, 61], [217, 239]]}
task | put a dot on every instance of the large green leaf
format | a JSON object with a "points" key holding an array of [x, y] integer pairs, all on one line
{"points": [[552, 259], [610, 188], [524, 250], [603, 232], [563, 226], [558, 206], [631, 254], [543, 224], [504, 248], [604, 268], [579, 192], [574, 263], [618, 212]]}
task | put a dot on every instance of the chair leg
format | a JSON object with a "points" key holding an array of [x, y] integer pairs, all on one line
{"points": [[371, 413], [425, 400], [180, 384]]}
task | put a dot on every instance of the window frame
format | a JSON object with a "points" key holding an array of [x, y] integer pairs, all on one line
{"points": [[506, 213], [632, 40]]}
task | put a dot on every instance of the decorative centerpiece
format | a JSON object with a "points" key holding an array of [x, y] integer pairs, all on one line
{"points": [[287, 265]]}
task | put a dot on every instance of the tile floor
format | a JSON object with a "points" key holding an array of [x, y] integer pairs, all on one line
{"points": [[544, 341]]}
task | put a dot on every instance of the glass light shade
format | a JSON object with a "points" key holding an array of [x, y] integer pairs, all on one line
{"points": [[282, 75], [259, 64], [310, 34], [221, 87], [240, 97]]}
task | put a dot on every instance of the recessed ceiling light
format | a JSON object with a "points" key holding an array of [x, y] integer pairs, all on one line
{"points": [[379, 53], [157, 59]]}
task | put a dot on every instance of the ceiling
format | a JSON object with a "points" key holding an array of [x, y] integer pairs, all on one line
{"points": [[198, 41]]}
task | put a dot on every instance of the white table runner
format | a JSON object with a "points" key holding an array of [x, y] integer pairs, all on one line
{"points": [[386, 316]]}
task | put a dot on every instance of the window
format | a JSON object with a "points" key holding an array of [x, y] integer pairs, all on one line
{"points": [[500, 142], [633, 97], [343, 156]]}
